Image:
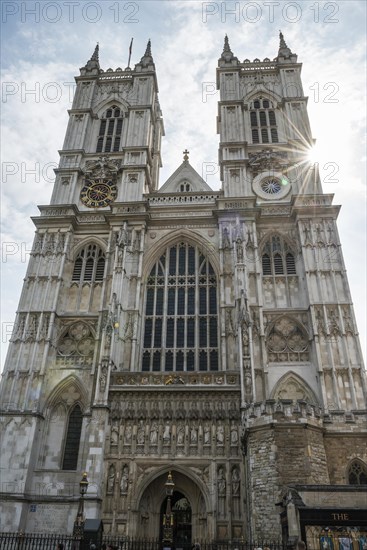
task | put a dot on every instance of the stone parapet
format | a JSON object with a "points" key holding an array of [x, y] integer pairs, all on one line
{"points": [[283, 411]]}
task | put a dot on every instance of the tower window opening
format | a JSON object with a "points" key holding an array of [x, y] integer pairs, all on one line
{"points": [[89, 265], [277, 258], [109, 136], [263, 122]]}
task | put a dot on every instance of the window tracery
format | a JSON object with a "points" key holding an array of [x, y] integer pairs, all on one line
{"points": [[77, 343], [287, 342], [181, 318], [357, 473]]}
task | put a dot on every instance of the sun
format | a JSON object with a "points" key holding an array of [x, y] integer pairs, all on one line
{"points": [[314, 154]]}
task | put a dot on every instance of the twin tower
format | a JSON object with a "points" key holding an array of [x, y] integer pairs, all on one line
{"points": [[174, 328]]}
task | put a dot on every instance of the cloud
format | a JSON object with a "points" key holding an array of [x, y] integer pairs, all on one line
{"points": [[186, 46]]}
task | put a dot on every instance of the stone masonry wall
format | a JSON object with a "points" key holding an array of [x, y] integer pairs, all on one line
{"points": [[345, 440], [263, 485], [283, 444], [301, 455]]}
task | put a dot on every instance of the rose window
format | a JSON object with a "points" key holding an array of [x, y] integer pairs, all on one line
{"points": [[271, 186]]}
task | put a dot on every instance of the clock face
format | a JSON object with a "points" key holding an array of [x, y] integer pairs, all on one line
{"points": [[98, 192]]}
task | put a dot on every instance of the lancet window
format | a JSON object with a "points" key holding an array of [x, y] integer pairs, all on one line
{"points": [[110, 129], [72, 440], [263, 121], [181, 312], [278, 258], [89, 264]]}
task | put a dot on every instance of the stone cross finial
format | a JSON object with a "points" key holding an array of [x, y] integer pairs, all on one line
{"points": [[186, 154]]}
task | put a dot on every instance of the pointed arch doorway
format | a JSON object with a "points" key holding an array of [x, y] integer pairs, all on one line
{"points": [[182, 527], [190, 503]]}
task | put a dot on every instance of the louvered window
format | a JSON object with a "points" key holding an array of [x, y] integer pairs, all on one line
{"points": [[277, 259], [278, 264], [291, 266], [89, 265], [266, 264], [263, 122], [181, 313], [109, 136]]}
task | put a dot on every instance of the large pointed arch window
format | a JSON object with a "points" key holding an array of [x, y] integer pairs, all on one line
{"points": [[110, 129], [263, 121], [181, 313]]}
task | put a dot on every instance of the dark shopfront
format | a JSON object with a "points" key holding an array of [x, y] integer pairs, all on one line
{"points": [[333, 528]]}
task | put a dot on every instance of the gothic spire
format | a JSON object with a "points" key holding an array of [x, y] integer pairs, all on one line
{"points": [[93, 64], [147, 58], [95, 56], [148, 51], [284, 51], [227, 54], [226, 47]]}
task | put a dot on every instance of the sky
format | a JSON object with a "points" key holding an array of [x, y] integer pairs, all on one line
{"points": [[44, 44]]}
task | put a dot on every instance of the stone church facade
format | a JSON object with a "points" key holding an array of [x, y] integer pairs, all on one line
{"points": [[177, 328]]}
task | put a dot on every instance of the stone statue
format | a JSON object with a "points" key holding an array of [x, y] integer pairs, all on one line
{"points": [[124, 480], [167, 433], [193, 435], [221, 482], [114, 435], [220, 435], [207, 434], [225, 238], [234, 435], [111, 479], [180, 434], [239, 250], [235, 482], [103, 376], [141, 433], [154, 434], [128, 435]]}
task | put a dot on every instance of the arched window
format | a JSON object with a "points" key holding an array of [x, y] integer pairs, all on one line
{"points": [[185, 187], [263, 122], [89, 264], [277, 258], [72, 440], [109, 137], [181, 313], [357, 473]]}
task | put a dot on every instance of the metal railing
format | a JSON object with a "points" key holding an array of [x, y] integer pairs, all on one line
{"points": [[49, 541]]}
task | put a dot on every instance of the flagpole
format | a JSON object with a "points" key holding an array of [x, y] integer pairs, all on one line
{"points": [[130, 50]]}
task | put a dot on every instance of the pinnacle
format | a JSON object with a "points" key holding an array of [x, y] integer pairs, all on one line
{"points": [[95, 56], [148, 51]]}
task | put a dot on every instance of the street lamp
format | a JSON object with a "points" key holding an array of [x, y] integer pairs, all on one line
{"points": [[79, 521], [167, 540]]}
